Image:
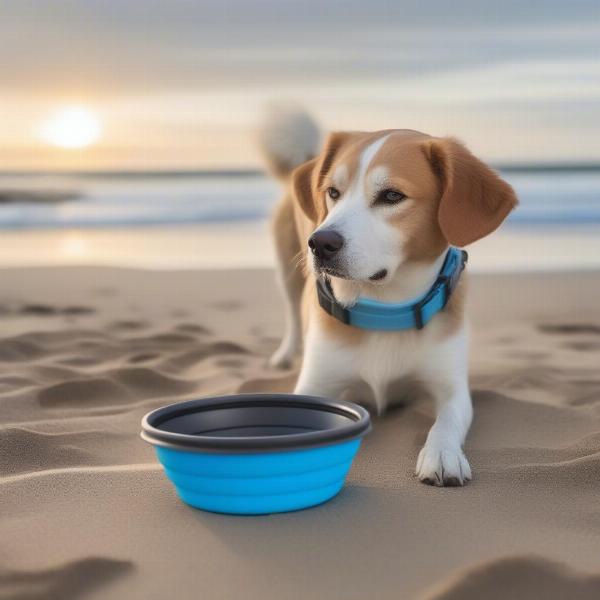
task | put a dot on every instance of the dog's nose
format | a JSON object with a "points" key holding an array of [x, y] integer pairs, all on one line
{"points": [[326, 243]]}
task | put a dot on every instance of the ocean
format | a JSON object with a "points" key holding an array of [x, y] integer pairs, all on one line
{"points": [[548, 197]]}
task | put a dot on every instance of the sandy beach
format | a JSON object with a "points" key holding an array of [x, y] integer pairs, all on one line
{"points": [[85, 511]]}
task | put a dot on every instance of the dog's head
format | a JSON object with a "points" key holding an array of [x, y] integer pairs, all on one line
{"points": [[380, 201]]}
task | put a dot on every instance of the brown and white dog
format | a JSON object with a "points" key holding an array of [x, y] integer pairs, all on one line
{"points": [[375, 213]]}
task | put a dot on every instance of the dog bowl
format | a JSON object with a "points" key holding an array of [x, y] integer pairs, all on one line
{"points": [[256, 453]]}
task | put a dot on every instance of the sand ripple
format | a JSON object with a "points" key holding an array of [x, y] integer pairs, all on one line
{"points": [[86, 509]]}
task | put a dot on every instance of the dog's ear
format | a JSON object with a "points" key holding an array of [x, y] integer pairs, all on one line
{"points": [[307, 179], [474, 199], [302, 188]]}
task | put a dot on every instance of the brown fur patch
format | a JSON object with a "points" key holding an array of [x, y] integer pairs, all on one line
{"points": [[475, 200], [310, 180], [348, 155], [410, 173], [302, 190]]}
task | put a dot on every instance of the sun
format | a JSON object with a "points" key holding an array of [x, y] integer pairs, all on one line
{"points": [[71, 127]]}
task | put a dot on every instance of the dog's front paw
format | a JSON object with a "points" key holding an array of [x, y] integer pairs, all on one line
{"points": [[443, 466]]}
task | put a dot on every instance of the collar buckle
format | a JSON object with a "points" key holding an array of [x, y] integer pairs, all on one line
{"points": [[447, 283], [329, 304], [452, 280], [418, 306]]}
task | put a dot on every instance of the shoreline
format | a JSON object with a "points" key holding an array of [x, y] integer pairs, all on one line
{"points": [[248, 245]]}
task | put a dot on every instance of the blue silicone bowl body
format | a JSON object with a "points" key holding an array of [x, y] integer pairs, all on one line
{"points": [[252, 454]]}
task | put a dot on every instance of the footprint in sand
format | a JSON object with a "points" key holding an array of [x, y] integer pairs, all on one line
{"points": [[527, 355], [141, 358], [189, 358], [583, 346], [83, 394], [67, 582], [80, 361], [38, 310], [193, 328], [519, 577], [15, 350], [15, 382], [46, 310], [77, 310], [570, 328], [117, 387], [128, 325], [160, 339]]}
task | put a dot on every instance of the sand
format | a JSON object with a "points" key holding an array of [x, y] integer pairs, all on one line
{"points": [[247, 244], [85, 511]]}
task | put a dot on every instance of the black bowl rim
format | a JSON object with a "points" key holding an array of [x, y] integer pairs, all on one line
{"points": [[359, 425]]}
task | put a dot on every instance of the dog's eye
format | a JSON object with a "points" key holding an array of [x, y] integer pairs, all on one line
{"points": [[389, 197], [333, 193]]}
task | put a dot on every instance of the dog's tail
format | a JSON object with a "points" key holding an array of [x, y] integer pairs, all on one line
{"points": [[287, 138]]}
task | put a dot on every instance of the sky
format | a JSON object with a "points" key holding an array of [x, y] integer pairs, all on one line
{"points": [[182, 85]]}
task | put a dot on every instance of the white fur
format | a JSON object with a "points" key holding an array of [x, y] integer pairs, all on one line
{"points": [[288, 137], [446, 371], [331, 368], [371, 243]]}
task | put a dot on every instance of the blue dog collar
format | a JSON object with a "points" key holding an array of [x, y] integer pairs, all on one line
{"points": [[383, 316]]}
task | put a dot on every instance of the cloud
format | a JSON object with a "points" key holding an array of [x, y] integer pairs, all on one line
{"points": [[182, 71], [146, 44]]}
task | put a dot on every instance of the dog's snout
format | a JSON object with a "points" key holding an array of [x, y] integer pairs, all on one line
{"points": [[325, 244]]}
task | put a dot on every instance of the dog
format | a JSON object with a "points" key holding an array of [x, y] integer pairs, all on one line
{"points": [[372, 216]]}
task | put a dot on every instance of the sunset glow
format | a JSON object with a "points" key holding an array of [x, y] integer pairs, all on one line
{"points": [[71, 127], [115, 86]]}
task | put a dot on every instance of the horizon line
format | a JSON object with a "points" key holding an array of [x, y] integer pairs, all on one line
{"points": [[254, 172]]}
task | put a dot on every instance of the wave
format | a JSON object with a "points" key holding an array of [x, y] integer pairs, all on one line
{"points": [[547, 197]]}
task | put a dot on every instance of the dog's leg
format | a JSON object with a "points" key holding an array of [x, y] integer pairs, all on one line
{"points": [[442, 460], [327, 368], [291, 283]]}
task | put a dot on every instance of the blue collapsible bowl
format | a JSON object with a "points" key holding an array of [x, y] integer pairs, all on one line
{"points": [[256, 453]]}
